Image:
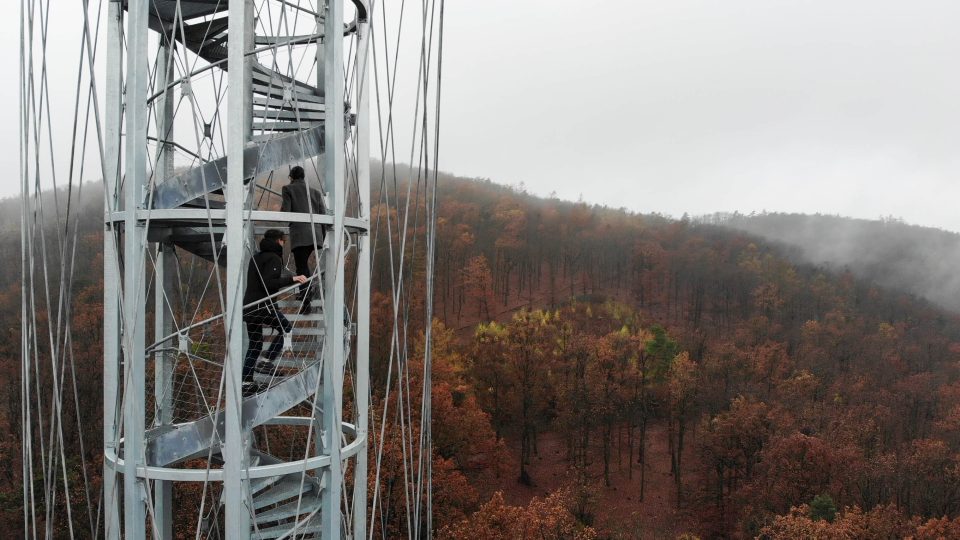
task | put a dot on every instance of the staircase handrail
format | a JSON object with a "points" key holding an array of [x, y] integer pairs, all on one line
{"points": [[182, 332]]}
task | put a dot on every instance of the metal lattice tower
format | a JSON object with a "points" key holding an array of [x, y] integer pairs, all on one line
{"points": [[208, 105], [209, 102]]}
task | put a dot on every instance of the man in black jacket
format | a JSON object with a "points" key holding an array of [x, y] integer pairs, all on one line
{"points": [[265, 277], [304, 237]]}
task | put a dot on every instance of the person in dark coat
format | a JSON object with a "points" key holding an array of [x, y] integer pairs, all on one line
{"points": [[304, 237], [265, 277]]}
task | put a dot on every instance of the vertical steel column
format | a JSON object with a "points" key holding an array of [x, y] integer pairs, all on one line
{"points": [[111, 287], [236, 486], [134, 236], [363, 283], [163, 363], [163, 381], [321, 56], [333, 281]]}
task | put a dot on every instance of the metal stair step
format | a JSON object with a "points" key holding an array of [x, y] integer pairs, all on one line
{"points": [[300, 347], [294, 363], [284, 126], [274, 91], [312, 317], [192, 438], [309, 332], [167, 10], [312, 526], [291, 486], [273, 84], [265, 75], [279, 103], [299, 331], [287, 116], [296, 303], [259, 484], [306, 505]]}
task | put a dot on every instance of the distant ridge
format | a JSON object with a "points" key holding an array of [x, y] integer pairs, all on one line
{"points": [[923, 261]]}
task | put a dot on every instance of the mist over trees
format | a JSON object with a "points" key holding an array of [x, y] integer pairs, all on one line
{"points": [[918, 260]]}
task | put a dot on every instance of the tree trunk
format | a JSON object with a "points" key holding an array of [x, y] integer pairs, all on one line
{"points": [[681, 428], [642, 455]]}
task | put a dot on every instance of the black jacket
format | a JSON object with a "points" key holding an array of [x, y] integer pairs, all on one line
{"points": [[295, 200], [265, 276]]}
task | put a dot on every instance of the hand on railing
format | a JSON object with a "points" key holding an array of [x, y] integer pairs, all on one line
{"points": [[298, 280]]}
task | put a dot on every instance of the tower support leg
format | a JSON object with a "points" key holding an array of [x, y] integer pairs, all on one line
{"points": [[363, 285], [111, 267], [134, 235], [236, 487], [334, 279], [163, 289]]}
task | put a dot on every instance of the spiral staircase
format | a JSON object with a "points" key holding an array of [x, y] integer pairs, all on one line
{"points": [[288, 120]]}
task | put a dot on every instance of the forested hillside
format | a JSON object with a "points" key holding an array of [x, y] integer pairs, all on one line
{"points": [[601, 374], [919, 260]]}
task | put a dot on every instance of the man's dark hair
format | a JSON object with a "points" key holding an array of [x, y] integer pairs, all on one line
{"points": [[273, 234], [297, 173]]}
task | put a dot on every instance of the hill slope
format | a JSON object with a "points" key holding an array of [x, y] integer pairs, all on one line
{"points": [[919, 260], [650, 376]]}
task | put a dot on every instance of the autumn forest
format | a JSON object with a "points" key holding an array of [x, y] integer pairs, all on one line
{"points": [[599, 373]]}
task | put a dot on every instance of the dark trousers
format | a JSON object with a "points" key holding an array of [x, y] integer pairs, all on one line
{"points": [[301, 259], [255, 324]]}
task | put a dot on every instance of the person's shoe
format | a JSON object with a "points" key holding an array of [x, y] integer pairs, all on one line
{"points": [[265, 367], [250, 388]]}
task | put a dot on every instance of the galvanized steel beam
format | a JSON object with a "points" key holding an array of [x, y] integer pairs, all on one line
{"points": [[111, 277], [164, 271], [363, 283], [236, 488], [334, 169], [134, 295]]}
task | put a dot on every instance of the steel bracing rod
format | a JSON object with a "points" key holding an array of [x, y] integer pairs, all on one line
{"points": [[29, 500], [28, 329], [421, 492], [59, 347], [49, 461], [396, 281], [88, 53], [404, 405], [425, 378], [425, 458], [375, 235], [427, 416]]}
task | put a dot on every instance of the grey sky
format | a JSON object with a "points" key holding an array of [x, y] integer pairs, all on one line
{"points": [[849, 107]]}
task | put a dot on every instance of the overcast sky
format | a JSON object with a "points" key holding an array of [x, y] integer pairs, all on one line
{"points": [[673, 106]]}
